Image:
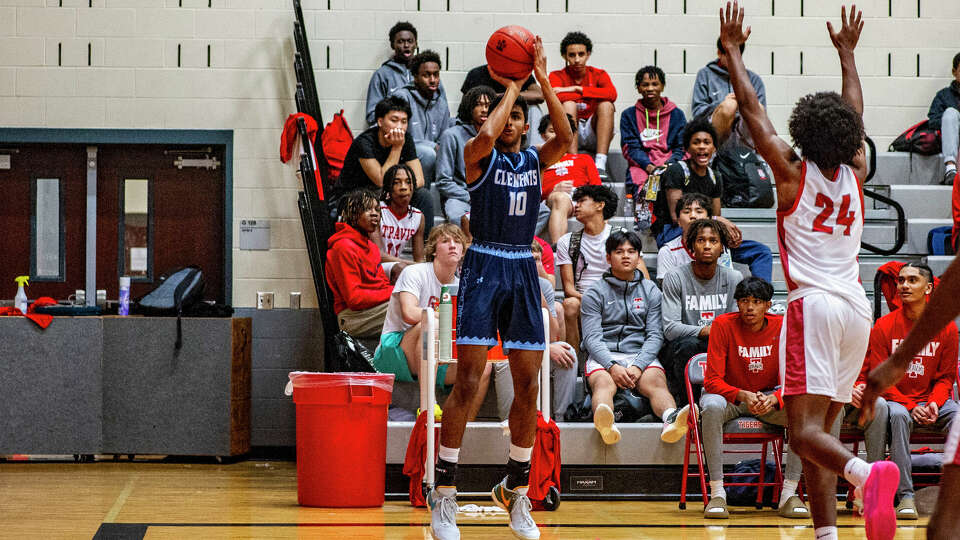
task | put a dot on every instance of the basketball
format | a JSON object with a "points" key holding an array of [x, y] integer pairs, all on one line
{"points": [[510, 52]]}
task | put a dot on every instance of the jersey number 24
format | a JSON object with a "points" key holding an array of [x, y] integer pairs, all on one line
{"points": [[845, 217]]}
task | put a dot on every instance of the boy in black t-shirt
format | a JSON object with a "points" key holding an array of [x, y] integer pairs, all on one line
{"points": [[379, 148]]}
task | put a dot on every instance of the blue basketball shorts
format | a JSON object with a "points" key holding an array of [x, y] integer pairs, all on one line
{"points": [[500, 290]]}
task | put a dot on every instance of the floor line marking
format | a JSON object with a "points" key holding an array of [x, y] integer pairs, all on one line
{"points": [[121, 500]]}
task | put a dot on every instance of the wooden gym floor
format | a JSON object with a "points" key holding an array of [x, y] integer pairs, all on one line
{"points": [[256, 499]]}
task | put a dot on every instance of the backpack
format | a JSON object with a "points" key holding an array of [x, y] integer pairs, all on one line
{"points": [[574, 251], [746, 179], [919, 138], [178, 290], [939, 240], [747, 495], [335, 141], [659, 196]]}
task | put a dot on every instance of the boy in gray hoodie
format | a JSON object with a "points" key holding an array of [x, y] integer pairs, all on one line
{"points": [[429, 111], [620, 316], [393, 74], [713, 99]]}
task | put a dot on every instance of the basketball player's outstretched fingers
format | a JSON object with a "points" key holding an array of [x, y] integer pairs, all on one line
{"points": [[539, 56]]}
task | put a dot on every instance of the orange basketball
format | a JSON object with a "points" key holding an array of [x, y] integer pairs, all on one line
{"points": [[510, 52]]}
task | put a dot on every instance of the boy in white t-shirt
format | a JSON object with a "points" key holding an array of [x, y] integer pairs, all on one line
{"points": [[581, 256], [690, 207], [418, 287]]}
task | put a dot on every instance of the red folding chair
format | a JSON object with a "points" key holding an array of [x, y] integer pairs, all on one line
{"points": [[739, 431]]}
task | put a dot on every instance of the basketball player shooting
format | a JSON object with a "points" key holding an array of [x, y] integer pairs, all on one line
{"points": [[819, 224], [499, 291], [942, 309]]}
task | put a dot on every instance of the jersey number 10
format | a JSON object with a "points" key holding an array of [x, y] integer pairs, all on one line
{"points": [[518, 203], [844, 217]]}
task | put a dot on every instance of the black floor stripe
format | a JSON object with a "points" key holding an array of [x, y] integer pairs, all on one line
{"points": [[121, 531]]}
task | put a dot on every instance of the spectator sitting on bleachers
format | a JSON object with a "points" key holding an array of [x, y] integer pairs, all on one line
{"points": [[354, 273], [651, 131], [377, 149], [401, 345], [713, 100], [400, 223], [693, 296], [922, 397], [622, 337], [393, 74], [690, 207], [530, 91], [944, 115], [742, 379], [451, 178], [694, 175], [560, 179], [587, 94], [546, 261], [429, 111]]}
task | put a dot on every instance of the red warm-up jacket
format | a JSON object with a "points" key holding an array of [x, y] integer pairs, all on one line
{"points": [[354, 272]]}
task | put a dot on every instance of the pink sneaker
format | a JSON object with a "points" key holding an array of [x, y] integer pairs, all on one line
{"points": [[878, 512]]}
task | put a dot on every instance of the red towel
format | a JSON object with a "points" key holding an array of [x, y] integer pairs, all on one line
{"points": [[545, 461], [289, 138], [42, 320], [413, 462]]}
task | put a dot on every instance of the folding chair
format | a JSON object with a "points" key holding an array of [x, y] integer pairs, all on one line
{"points": [[428, 375], [739, 431], [852, 435]]}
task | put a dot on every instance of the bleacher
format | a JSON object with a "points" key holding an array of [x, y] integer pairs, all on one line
{"points": [[910, 180]]}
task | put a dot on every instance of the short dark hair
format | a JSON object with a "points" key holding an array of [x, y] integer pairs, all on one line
{"points": [[520, 102], [693, 231], [694, 197], [470, 100], [392, 103], [354, 204], [826, 129], [390, 178], [545, 123], [698, 124], [402, 26], [575, 38], [924, 270], [956, 61], [723, 50], [755, 287], [653, 71], [421, 59], [599, 193], [620, 235]]}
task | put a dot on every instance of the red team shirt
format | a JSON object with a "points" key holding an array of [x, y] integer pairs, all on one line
{"points": [[738, 359], [931, 374], [596, 84], [579, 168]]}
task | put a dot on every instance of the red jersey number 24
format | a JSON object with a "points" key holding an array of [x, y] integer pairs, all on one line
{"points": [[845, 217]]}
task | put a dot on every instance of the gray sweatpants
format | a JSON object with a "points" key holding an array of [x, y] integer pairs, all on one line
{"points": [[874, 432], [562, 384], [901, 424], [715, 411], [950, 134]]}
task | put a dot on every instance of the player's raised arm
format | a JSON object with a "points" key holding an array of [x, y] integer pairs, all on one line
{"points": [[783, 160], [846, 41], [555, 148], [480, 146]]}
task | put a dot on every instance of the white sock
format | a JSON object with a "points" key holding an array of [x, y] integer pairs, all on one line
{"points": [[450, 455], [716, 489], [601, 161], [826, 533], [667, 413], [789, 490], [520, 454], [856, 472]]}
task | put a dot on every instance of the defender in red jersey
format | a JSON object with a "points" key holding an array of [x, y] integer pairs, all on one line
{"points": [[819, 223]]}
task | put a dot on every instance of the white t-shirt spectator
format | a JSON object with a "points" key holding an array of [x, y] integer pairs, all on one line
{"points": [[419, 280], [674, 254], [593, 258]]}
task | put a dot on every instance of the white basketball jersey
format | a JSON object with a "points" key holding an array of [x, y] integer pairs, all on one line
{"points": [[819, 236], [395, 230]]}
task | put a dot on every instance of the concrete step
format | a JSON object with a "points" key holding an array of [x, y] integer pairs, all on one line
{"points": [[905, 168], [917, 231], [927, 201]]}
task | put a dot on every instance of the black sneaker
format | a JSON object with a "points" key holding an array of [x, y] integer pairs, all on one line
{"points": [[948, 177]]}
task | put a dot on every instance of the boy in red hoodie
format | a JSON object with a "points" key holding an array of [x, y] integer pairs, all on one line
{"points": [[360, 288], [587, 94]]}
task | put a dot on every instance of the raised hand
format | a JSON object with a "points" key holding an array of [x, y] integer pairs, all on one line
{"points": [[506, 82], [849, 34], [732, 34], [539, 58]]}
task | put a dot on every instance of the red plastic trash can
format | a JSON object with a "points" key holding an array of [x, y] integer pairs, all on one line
{"points": [[341, 437]]}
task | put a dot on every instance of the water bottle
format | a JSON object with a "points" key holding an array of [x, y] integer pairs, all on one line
{"points": [[124, 309], [445, 331]]}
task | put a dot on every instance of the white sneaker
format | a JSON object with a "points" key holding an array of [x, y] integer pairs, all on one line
{"points": [[518, 505], [603, 421], [443, 515], [675, 425]]}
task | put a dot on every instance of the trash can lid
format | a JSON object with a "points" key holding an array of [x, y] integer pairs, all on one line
{"points": [[315, 379]]}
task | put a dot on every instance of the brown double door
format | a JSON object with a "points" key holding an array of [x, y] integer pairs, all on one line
{"points": [[170, 216]]}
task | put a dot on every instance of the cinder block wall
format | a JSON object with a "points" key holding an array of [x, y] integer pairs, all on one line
{"points": [[227, 64]]}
